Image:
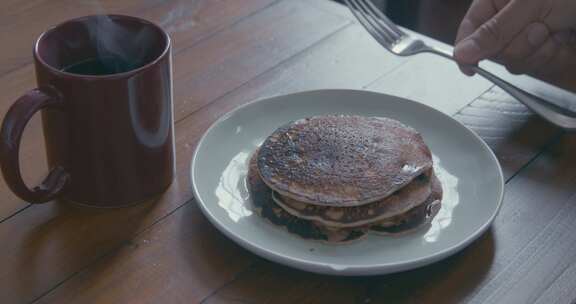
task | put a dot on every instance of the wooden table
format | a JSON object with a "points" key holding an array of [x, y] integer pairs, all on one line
{"points": [[227, 53]]}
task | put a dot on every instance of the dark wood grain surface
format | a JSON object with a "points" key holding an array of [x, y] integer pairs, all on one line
{"points": [[227, 53]]}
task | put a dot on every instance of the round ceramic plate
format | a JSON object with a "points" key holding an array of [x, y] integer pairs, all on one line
{"points": [[470, 173]]}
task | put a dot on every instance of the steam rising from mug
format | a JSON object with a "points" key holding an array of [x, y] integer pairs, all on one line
{"points": [[117, 47], [122, 49]]}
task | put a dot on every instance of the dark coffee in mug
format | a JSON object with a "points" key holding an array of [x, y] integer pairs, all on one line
{"points": [[100, 66], [105, 95]]}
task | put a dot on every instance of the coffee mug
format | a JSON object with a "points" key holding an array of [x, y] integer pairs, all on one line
{"points": [[105, 94]]}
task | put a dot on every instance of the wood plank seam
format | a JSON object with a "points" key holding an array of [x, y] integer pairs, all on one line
{"points": [[252, 266], [243, 84], [531, 243], [548, 147], [266, 7], [335, 8], [519, 119], [238, 276], [459, 112], [203, 37], [556, 277], [553, 290], [371, 83], [15, 213], [111, 252], [555, 139]]}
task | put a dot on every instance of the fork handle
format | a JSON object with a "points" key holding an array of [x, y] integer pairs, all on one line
{"points": [[555, 114], [549, 111]]}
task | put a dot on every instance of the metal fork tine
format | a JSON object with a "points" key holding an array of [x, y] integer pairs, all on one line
{"points": [[357, 11], [381, 16], [360, 14], [375, 14], [375, 21]]}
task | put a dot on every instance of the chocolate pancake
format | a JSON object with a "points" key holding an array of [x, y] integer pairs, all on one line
{"points": [[261, 196], [415, 218], [412, 195], [342, 161]]}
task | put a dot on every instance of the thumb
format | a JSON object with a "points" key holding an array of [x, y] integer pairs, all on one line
{"points": [[495, 34]]}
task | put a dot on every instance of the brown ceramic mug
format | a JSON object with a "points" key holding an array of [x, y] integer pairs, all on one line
{"points": [[105, 94]]}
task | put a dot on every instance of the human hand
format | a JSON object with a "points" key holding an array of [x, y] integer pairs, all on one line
{"points": [[527, 36]]}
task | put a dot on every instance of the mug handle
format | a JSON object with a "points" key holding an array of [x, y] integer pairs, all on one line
{"points": [[13, 126]]}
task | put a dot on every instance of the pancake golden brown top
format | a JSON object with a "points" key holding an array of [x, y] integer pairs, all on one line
{"points": [[342, 161], [264, 206]]}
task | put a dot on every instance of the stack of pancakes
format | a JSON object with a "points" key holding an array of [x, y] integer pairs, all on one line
{"points": [[336, 178]]}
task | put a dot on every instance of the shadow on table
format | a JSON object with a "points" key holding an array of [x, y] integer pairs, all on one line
{"points": [[211, 258], [450, 280], [513, 132], [69, 238], [447, 281], [518, 133]]}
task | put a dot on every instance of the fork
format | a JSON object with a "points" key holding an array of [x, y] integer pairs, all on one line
{"points": [[399, 43]]}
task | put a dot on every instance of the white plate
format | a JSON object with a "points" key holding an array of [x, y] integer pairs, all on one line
{"points": [[470, 173]]}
